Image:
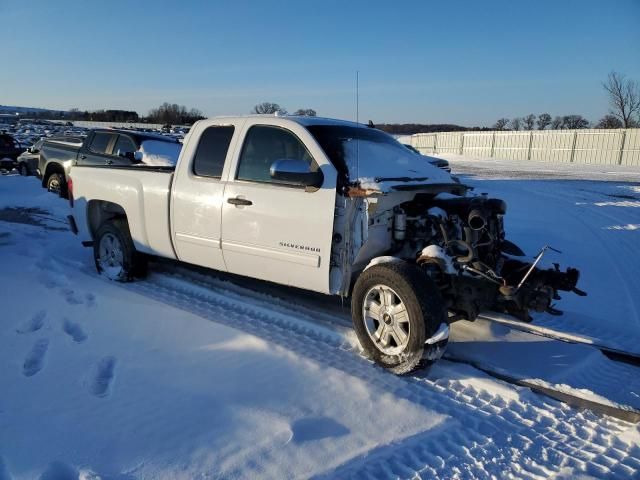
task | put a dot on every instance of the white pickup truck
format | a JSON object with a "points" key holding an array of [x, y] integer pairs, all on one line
{"points": [[325, 205]]}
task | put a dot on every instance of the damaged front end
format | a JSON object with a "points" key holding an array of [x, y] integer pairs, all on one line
{"points": [[394, 204], [462, 246]]}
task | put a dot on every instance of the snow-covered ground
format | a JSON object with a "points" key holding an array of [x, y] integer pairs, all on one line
{"points": [[596, 225], [188, 374]]}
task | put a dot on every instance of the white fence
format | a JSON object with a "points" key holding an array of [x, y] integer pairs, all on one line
{"points": [[604, 147]]}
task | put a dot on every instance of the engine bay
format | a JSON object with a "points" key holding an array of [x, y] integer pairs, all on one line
{"points": [[460, 242], [458, 239]]}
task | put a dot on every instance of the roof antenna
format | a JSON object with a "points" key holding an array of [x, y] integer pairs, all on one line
{"points": [[357, 121], [357, 96]]}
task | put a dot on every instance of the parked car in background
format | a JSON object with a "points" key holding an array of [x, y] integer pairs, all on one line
{"points": [[103, 147], [27, 162], [10, 150], [436, 162]]}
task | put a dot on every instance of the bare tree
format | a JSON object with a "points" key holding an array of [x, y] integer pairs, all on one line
{"points": [[529, 121], [624, 97], [574, 122], [544, 120], [172, 113], [305, 112], [268, 108], [501, 124], [609, 121], [556, 123], [516, 124]]}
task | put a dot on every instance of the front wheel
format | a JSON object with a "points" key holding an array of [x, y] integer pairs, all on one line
{"points": [[395, 308], [114, 253]]}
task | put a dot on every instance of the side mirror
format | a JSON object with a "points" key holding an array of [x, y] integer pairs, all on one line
{"points": [[134, 157], [34, 150], [296, 172]]}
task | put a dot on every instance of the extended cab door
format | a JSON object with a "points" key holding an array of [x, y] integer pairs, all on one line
{"points": [[97, 148], [197, 193], [275, 231]]}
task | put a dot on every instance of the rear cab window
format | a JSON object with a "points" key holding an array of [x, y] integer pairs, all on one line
{"points": [[100, 142], [212, 151]]}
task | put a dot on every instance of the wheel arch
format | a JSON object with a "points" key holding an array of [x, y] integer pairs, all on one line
{"points": [[101, 211], [50, 169]]}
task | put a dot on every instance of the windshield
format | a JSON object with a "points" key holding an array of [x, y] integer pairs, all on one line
{"points": [[370, 154]]}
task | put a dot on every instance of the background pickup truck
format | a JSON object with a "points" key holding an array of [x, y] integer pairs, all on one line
{"points": [[324, 205], [103, 147], [10, 149]]}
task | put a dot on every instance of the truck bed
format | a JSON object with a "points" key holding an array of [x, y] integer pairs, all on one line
{"points": [[142, 191]]}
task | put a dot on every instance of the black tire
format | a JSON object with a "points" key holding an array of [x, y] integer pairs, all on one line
{"points": [[56, 183], [133, 263], [423, 304]]}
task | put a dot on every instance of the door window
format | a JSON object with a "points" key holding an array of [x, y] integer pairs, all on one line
{"points": [[123, 146], [263, 146], [100, 142], [212, 151]]}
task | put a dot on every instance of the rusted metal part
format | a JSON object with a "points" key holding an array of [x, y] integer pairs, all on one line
{"points": [[354, 191]]}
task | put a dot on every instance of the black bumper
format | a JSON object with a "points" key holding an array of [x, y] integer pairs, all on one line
{"points": [[8, 163]]}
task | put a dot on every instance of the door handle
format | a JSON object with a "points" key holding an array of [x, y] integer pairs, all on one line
{"points": [[109, 162], [239, 201], [82, 157]]}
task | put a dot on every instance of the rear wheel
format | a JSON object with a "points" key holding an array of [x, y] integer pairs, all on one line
{"points": [[395, 309], [114, 253], [57, 184]]}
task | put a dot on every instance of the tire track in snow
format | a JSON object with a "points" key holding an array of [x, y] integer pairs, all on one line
{"points": [[281, 303], [483, 425]]}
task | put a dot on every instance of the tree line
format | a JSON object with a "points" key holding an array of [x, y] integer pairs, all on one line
{"points": [[167, 113], [174, 114], [624, 102], [271, 108]]}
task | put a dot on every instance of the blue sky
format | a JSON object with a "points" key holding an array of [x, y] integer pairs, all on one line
{"points": [[465, 62]]}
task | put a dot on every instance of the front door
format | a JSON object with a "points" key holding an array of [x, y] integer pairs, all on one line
{"points": [[274, 231]]}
